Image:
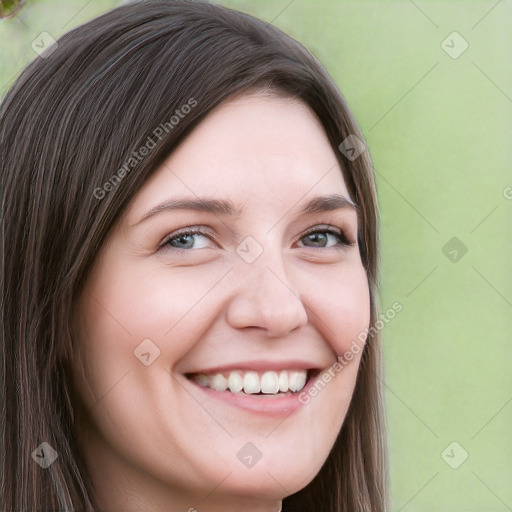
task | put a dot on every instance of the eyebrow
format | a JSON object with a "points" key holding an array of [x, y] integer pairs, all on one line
{"points": [[224, 208]]}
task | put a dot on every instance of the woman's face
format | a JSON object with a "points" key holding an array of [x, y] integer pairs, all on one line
{"points": [[247, 278]]}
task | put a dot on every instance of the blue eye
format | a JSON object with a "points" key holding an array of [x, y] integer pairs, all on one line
{"points": [[325, 238], [196, 238], [188, 239]]}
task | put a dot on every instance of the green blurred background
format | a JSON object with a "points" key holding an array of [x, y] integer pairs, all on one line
{"points": [[438, 121]]}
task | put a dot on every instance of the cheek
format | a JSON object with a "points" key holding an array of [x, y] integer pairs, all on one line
{"points": [[122, 307], [341, 305], [124, 398], [145, 302]]}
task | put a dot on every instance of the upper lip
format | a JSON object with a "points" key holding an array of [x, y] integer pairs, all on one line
{"points": [[288, 364]]}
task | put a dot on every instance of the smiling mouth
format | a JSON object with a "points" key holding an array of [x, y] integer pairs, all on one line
{"points": [[277, 383]]}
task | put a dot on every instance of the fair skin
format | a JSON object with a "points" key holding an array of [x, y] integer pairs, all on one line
{"points": [[153, 436]]}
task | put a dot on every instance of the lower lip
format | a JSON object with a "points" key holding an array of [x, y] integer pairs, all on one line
{"points": [[271, 405]]}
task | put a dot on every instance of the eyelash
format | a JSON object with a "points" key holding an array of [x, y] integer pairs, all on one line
{"points": [[339, 234], [336, 232]]}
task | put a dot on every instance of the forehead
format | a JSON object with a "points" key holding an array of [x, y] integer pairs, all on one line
{"points": [[254, 149]]}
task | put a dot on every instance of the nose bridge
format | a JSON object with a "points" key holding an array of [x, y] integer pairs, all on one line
{"points": [[265, 297]]}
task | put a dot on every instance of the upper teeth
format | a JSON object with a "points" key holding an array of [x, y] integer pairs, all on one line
{"points": [[250, 382]]}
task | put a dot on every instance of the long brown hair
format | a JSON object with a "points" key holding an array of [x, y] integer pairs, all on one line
{"points": [[68, 124]]}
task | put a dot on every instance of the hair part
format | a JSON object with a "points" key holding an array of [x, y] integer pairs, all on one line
{"points": [[70, 122]]}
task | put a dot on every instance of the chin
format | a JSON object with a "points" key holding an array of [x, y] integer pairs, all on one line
{"points": [[276, 475]]}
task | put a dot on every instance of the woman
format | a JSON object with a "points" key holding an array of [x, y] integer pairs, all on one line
{"points": [[189, 274]]}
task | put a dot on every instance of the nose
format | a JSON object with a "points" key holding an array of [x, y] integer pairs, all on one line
{"points": [[265, 299]]}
